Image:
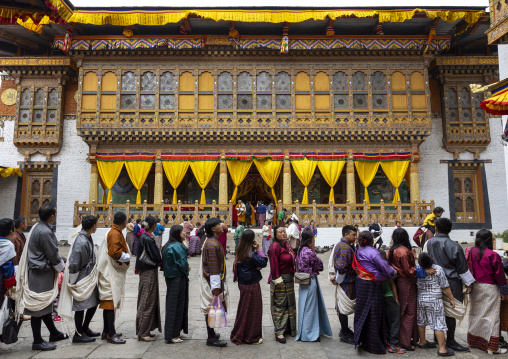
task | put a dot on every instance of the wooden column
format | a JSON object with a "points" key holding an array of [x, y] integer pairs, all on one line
{"points": [[157, 191], [350, 181], [414, 185], [94, 183], [286, 184], [223, 182]]}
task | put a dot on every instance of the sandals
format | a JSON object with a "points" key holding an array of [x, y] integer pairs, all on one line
{"points": [[175, 341], [499, 351], [146, 339]]}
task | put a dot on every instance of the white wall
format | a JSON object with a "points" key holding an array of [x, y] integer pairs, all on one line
{"points": [[503, 73], [73, 178], [9, 157]]}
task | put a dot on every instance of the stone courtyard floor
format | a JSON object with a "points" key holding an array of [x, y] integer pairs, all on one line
{"points": [[194, 346]]}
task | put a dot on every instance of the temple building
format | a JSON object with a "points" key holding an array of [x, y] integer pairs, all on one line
{"points": [[343, 115]]}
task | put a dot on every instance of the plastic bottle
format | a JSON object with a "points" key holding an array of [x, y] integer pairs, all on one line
{"points": [[211, 318], [218, 317]]}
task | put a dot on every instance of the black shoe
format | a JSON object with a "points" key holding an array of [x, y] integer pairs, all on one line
{"points": [[216, 343], [457, 347], [115, 339], [58, 337], [448, 353], [104, 335], [90, 333], [347, 339], [280, 340], [44, 346], [217, 336], [82, 338], [427, 345]]}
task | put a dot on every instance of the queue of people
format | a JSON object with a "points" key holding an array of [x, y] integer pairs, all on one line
{"points": [[393, 296]]}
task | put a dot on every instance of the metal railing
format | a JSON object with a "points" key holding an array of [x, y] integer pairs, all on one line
{"points": [[324, 215]]}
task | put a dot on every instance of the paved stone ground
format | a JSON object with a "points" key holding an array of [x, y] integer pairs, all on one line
{"points": [[194, 346]]}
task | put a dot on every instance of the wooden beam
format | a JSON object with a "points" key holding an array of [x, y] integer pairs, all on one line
{"points": [[18, 40]]}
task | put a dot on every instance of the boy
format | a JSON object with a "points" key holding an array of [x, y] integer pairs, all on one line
{"points": [[430, 310]]}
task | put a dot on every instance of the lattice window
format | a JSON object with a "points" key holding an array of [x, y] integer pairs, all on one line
{"points": [[264, 91], [283, 91], [479, 113], [360, 91], [147, 88], [341, 91], [128, 91], [38, 192], [44, 108], [52, 112], [24, 106], [225, 87], [464, 107], [465, 191], [379, 91], [244, 96], [167, 91]]}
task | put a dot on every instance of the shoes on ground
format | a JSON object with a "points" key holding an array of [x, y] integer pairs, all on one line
{"points": [[499, 351], [44, 346], [57, 318], [82, 338], [215, 343], [115, 339], [90, 333], [104, 335], [395, 349], [457, 347], [448, 353], [58, 337]]}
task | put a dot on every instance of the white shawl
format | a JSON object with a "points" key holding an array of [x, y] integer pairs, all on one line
{"points": [[79, 291], [112, 276], [24, 297], [206, 292], [345, 305]]}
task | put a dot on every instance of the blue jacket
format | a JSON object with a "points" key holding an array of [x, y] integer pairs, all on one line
{"points": [[248, 273], [159, 229]]}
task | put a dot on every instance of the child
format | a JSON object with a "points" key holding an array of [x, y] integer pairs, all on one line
{"points": [[392, 315], [430, 309], [238, 233]]}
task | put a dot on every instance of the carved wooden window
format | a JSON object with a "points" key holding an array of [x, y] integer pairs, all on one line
{"points": [[264, 91], [302, 92], [53, 100], [418, 94], [341, 91], [108, 92], [244, 91], [205, 88], [283, 91], [466, 192], [147, 89], [24, 106], [399, 94], [463, 109], [42, 110], [128, 91], [37, 193], [225, 87], [478, 112], [167, 91], [379, 92], [321, 92], [89, 92], [186, 92], [360, 91]]}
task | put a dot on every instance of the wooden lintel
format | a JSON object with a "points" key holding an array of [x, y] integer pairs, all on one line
{"points": [[18, 40]]}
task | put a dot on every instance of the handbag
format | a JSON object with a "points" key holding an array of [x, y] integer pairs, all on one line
{"points": [[9, 328], [302, 278], [145, 257], [4, 314]]}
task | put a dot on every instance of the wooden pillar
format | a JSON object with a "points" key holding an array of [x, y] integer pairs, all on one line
{"points": [[223, 182], [286, 184], [157, 191], [414, 185], [94, 183], [350, 181]]}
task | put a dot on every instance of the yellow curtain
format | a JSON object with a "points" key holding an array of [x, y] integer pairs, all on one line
{"points": [[238, 170], [408, 178], [331, 170], [395, 171], [138, 172], [270, 171], [203, 171], [366, 172], [304, 171], [109, 172], [175, 172]]}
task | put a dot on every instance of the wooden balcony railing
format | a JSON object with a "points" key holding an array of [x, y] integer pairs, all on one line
{"points": [[324, 215]]}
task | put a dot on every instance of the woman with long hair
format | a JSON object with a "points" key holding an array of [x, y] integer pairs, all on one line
{"points": [[249, 259], [372, 270], [484, 313], [176, 273], [282, 285], [312, 318], [401, 258], [149, 260]]}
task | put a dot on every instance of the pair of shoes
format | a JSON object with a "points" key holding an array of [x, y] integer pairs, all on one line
{"points": [[457, 347], [174, 341], [57, 318], [115, 339], [427, 345], [280, 340], [216, 343], [347, 338], [58, 337], [82, 338], [44, 346], [499, 351], [104, 335], [90, 333], [146, 339], [395, 349], [448, 353]]}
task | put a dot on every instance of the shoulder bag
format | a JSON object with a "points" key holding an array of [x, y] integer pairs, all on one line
{"points": [[145, 257], [302, 278]]}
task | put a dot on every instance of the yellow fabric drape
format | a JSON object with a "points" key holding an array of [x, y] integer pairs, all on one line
{"points": [[138, 172], [395, 171], [331, 170], [203, 171], [270, 171], [175, 172], [6, 172], [109, 172], [304, 171], [366, 172], [238, 170]]}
